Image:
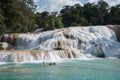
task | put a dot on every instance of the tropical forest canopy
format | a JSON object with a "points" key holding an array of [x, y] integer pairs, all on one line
{"points": [[19, 16]]}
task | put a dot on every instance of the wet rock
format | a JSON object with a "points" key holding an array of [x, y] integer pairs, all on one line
{"points": [[116, 28]]}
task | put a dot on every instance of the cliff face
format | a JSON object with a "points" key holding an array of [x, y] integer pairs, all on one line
{"points": [[72, 42], [116, 28]]}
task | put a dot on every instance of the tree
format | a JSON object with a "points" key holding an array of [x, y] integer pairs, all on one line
{"points": [[115, 14], [73, 15], [2, 26], [18, 14], [58, 22], [48, 21], [91, 12], [103, 11], [66, 15], [96, 13]]}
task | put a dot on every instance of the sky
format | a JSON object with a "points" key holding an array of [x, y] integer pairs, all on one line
{"points": [[57, 5]]}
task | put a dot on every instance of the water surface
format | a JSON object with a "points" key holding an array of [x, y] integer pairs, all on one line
{"points": [[99, 69]]}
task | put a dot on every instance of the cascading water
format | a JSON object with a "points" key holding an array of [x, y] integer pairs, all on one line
{"points": [[72, 42]]}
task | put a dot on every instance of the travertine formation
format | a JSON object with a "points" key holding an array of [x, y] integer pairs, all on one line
{"points": [[59, 44]]}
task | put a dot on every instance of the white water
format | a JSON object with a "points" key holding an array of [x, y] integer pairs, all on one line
{"points": [[73, 42]]}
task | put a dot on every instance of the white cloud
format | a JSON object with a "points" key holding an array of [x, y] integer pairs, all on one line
{"points": [[110, 2], [54, 5], [57, 5], [92, 1]]}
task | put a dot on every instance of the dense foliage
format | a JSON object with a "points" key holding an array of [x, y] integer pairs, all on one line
{"points": [[20, 16], [16, 15], [90, 14]]}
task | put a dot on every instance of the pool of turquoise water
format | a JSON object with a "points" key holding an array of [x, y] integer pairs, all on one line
{"points": [[98, 69]]}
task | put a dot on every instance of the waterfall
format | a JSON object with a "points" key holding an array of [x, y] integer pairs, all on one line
{"points": [[36, 55], [59, 44]]}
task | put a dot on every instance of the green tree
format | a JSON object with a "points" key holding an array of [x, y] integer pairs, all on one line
{"points": [[103, 11], [58, 22], [2, 26], [48, 21], [66, 15], [73, 15], [18, 14], [91, 13], [96, 13], [115, 14]]}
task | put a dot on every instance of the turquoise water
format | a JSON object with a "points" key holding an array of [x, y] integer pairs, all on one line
{"points": [[99, 69]]}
